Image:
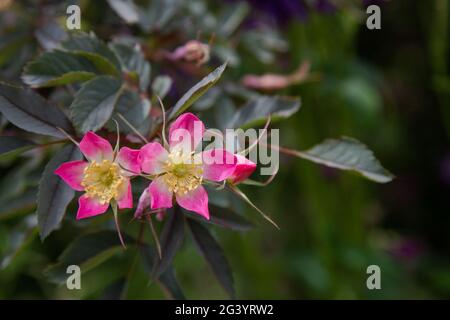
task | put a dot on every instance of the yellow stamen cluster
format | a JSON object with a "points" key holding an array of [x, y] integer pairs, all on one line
{"points": [[182, 173], [102, 180]]}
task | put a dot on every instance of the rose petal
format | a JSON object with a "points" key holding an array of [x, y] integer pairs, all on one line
{"points": [[188, 130], [129, 160], [125, 199], [152, 157], [218, 164], [95, 147], [89, 207], [72, 173], [195, 200], [143, 203], [244, 168], [161, 196]]}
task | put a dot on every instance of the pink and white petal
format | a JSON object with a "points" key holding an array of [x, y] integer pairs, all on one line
{"points": [[218, 164], [96, 148], [195, 200], [125, 199], [129, 160], [72, 173], [89, 207], [152, 157], [161, 196], [143, 203], [244, 168], [186, 129]]}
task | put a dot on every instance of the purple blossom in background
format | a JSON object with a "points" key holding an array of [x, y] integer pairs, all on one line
{"points": [[444, 170], [407, 250], [283, 11]]}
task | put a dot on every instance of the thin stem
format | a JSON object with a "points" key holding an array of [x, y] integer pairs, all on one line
{"points": [[154, 234], [132, 127]]}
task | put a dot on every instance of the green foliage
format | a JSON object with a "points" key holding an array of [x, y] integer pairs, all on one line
{"points": [[256, 111], [54, 195], [323, 244], [29, 111], [196, 91], [214, 255], [95, 102]]}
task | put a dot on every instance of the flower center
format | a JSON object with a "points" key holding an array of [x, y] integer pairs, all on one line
{"points": [[102, 180], [182, 173]]}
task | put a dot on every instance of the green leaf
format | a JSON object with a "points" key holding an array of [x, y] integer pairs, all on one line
{"points": [[23, 203], [347, 154], [87, 251], [94, 103], [10, 145], [256, 111], [232, 17], [133, 61], [197, 91], [161, 86], [133, 108], [167, 279], [95, 50], [213, 254], [224, 218], [54, 194], [19, 238], [57, 68], [157, 15], [126, 9], [171, 238], [50, 35], [29, 111]]}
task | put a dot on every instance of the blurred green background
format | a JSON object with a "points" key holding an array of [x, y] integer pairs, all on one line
{"points": [[390, 89]]}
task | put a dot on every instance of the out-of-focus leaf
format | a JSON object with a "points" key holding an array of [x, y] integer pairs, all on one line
{"points": [[264, 44], [87, 251], [232, 18], [50, 35], [93, 49], [10, 145], [57, 68], [214, 255], [133, 108], [94, 103], [256, 111], [18, 239], [15, 182], [54, 194], [171, 239], [126, 9], [225, 218], [161, 86], [115, 290], [167, 279], [23, 203], [197, 91], [10, 45], [29, 111], [225, 52], [347, 154], [158, 13], [133, 61]]}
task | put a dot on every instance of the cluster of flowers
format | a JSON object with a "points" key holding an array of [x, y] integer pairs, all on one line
{"points": [[176, 174]]}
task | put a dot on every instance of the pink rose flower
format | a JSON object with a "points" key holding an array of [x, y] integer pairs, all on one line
{"points": [[244, 168], [179, 172], [105, 177]]}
